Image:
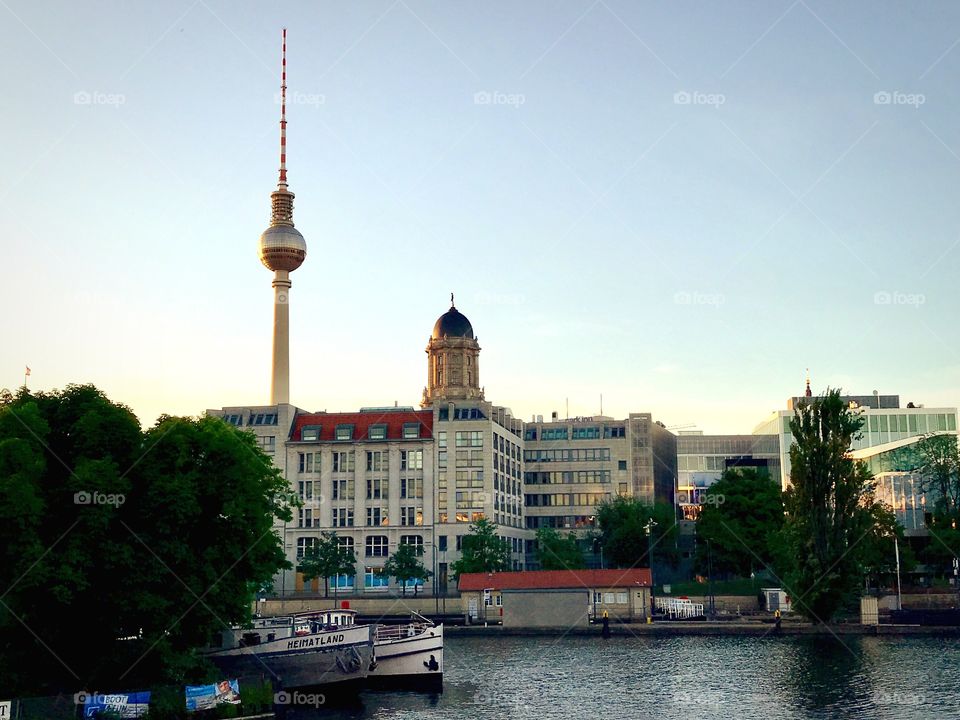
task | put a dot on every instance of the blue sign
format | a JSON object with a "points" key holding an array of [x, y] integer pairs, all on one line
{"points": [[125, 705], [205, 697]]}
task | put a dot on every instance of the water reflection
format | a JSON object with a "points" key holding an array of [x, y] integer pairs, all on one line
{"points": [[679, 679]]}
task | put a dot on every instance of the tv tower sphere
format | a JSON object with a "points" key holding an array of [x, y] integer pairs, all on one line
{"points": [[282, 247]]}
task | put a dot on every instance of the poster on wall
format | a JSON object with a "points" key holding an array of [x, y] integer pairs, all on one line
{"points": [[6, 709], [205, 697], [123, 705]]}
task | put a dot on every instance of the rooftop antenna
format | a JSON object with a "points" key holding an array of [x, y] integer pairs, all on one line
{"points": [[601, 403], [451, 300]]}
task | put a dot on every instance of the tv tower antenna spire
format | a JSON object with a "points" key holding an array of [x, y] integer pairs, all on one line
{"points": [[283, 250]]}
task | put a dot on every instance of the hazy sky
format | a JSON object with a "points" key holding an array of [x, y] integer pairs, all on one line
{"points": [[678, 205]]}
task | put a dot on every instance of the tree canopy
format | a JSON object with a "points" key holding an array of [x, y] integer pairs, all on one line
{"points": [[482, 550], [124, 550], [558, 552], [834, 523], [327, 558], [740, 517], [623, 520], [405, 566]]}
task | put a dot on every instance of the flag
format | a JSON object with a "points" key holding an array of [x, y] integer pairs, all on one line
{"points": [[27, 372]]}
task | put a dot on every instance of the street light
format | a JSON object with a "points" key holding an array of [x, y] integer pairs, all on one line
{"points": [[896, 549], [651, 523]]}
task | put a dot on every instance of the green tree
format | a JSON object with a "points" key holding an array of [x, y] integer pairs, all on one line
{"points": [[482, 550], [405, 565], [623, 521], [558, 552], [327, 558], [831, 509], [740, 517], [936, 459], [109, 532]]}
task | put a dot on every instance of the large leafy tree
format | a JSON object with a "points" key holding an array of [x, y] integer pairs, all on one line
{"points": [[623, 521], [482, 550], [326, 559], [740, 517], [405, 566], [558, 552], [109, 532], [832, 514], [936, 459]]}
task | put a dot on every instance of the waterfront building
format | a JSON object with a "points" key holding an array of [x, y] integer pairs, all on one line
{"points": [[620, 594], [573, 464], [702, 459], [887, 429]]}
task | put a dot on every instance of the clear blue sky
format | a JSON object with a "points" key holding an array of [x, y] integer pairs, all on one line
{"points": [[689, 259]]}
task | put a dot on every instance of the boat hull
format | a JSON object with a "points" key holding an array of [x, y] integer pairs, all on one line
{"points": [[414, 661], [341, 657]]}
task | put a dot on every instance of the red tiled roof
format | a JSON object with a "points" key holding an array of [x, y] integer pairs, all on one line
{"points": [[361, 421], [555, 579]]}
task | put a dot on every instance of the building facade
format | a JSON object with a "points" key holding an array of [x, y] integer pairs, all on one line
{"points": [[702, 459]]}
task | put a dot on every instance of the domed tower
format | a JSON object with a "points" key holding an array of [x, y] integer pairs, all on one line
{"points": [[453, 360], [282, 250]]}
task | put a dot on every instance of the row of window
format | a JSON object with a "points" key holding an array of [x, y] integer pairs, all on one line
{"points": [[560, 499], [560, 521], [566, 477], [377, 461], [567, 455], [578, 433], [345, 431], [410, 515]]}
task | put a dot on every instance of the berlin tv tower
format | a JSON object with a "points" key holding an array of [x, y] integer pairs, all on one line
{"points": [[283, 250]]}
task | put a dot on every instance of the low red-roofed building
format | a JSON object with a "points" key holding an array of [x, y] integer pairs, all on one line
{"points": [[621, 594]]}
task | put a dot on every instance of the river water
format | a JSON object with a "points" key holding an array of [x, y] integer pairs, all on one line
{"points": [[681, 677]]}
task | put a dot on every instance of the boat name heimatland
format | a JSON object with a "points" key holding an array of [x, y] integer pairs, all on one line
{"points": [[314, 642]]}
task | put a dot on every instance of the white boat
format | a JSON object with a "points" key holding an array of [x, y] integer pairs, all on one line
{"points": [[406, 656], [297, 652]]}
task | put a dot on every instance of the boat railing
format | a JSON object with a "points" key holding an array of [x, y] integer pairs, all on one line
{"points": [[399, 632]]}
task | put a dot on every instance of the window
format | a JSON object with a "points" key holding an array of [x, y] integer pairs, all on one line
{"points": [[378, 461], [342, 517], [410, 515], [304, 544], [263, 419], [442, 439], [608, 598], [442, 543], [530, 434], [233, 419], [377, 546], [554, 434], [343, 461], [470, 438], [267, 443], [621, 598], [343, 489], [310, 433], [305, 462], [411, 488], [377, 516], [305, 489], [344, 432], [377, 432], [346, 543], [459, 543], [411, 459], [411, 431], [621, 464], [414, 541], [377, 488], [616, 431], [586, 433], [374, 579], [306, 518]]}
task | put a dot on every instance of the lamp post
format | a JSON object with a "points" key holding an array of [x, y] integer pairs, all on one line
{"points": [[712, 609], [651, 523], [896, 549]]}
